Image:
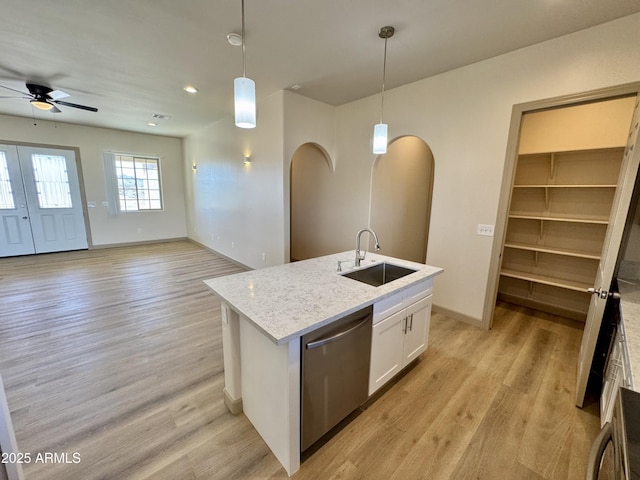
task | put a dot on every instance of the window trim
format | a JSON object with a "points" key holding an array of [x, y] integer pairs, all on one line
{"points": [[112, 180]]}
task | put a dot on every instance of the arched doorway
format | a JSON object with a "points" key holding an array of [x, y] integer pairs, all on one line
{"points": [[401, 190], [310, 221]]}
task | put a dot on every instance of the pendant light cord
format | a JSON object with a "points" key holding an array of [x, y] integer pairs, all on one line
{"points": [[384, 74], [244, 55]]}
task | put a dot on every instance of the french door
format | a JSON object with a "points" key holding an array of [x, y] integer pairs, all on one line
{"points": [[40, 204]]}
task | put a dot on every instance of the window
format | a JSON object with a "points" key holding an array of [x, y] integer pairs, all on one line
{"points": [[52, 181], [138, 182], [6, 194]]}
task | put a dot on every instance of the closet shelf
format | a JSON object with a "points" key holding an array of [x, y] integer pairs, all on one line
{"points": [[546, 280], [554, 250], [555, 306], [559, 212], [590, 151], [559, 219], [546, 185]]}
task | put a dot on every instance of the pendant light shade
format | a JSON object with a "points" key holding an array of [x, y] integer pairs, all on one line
{"points": [[380, 138], [244, 96], [380, 130], [244, 92]]}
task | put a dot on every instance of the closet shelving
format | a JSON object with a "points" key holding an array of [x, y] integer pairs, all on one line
{"points": [[558, 216]]}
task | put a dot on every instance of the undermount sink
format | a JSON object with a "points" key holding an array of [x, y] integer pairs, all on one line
{"points": [[379, 274]]}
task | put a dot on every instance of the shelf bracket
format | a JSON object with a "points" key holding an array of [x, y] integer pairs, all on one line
{"points": [[541, 229], [531, 289], [546, 198], [553, 166], [536, 258]]}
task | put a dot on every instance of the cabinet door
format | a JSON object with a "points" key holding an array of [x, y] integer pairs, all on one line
{"points": [[417, 329], [386, 350]]}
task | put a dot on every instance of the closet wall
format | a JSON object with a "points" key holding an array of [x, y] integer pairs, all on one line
{"points": [[564, 184]]}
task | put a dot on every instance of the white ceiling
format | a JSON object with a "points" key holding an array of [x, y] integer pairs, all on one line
{"points": [[131, 58]]}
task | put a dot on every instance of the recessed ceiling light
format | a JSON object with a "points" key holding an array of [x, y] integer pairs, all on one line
{"points": [[151, 124], [159, 116], [190, 89], [234, 39], [296, 87]]}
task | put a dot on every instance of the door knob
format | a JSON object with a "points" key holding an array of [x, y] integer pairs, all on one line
{"points": [[599, 292], [25, 218]]}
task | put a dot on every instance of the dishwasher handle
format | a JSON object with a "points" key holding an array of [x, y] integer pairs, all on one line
{"points": [[337, 336]]}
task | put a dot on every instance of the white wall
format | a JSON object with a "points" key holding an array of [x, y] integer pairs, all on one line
{"points": [[242, 211], [305, 121], [106, 229], [464, 117], [233, 208]]}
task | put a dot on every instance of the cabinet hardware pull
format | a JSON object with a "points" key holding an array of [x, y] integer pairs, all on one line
{"points": [[411, 324], [404, 325]]}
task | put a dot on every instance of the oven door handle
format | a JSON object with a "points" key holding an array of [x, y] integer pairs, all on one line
{"points": [[337, 336], [597, 450]]}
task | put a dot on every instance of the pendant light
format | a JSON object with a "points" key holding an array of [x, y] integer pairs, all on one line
{"points": [[380, 130], [244, 92]]}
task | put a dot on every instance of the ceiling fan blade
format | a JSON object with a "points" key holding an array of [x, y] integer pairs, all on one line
{"points": [[57, 94], [24, 98], [55, 110], [75, 105], [14, 90]]}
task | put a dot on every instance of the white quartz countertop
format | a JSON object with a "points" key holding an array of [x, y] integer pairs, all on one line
{"points": [[287, 301], [630, 307]]}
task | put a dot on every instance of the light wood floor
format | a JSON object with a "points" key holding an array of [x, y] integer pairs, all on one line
{"points": [[116, 354]]}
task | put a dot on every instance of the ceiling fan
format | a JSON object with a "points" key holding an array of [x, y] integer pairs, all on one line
{"points": [[45, 98]]}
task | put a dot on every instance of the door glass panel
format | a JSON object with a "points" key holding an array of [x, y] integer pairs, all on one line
{"points": [[6, 193], [52, 182]]}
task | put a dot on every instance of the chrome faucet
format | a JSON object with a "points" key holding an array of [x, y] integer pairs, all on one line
{"points": [[360, 256]]}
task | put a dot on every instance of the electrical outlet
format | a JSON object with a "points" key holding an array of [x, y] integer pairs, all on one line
{"points": [[485, 230], [264, 257]]}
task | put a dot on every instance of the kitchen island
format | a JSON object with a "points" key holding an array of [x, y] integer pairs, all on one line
{"points": [[265, 313]]}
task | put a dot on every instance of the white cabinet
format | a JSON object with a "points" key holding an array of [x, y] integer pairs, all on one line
{"points": [[399, 337], [387, 347], [416, 330]]}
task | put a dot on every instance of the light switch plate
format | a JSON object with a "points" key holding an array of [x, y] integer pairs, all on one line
{"points": [[485, 230]]}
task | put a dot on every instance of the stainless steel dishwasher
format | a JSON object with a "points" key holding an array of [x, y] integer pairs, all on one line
{"points": [[335, 373]]}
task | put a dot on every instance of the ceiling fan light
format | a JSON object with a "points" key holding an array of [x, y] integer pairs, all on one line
{"points": [[42, 104], [244, 96], [380, 138]]}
